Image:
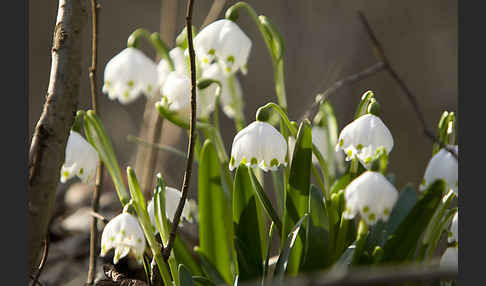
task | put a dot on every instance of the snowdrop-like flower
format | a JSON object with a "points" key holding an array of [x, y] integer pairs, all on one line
{"points": [[224, 42], [172, 198], [450, 257], [444, 166], [454, 231], [370, 195], [176, 96], [258, 144], [362, 138], [124, 234], [129, 74], [180, 66], [81, 159], [229, 102]]}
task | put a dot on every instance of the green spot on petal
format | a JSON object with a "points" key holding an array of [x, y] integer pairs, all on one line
{"points": [[254, 161], [386, 211], [367, 160], [81, 171], [230, 59], [212, 52], [149, 88], [274, 162], [359, 147], [372, 217], [65, 173], [350, 153], [366, 209], [122, 232], [232, 161], [243, 160], [341, 143], [126, 94], [130, 83]]}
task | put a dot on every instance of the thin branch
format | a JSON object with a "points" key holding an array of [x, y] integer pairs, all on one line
{"points": [[48, 145], [213, 13], [192, 127], [380, 54], [45, 253], [347, 81], [99, 216], [99, 172]]}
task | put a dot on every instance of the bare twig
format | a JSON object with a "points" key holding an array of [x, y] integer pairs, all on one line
{"points": [[347, 81], [99, 216], [213, 12], [192, 127], [48, 144], [99, 172], [159, 146], [45, 253], [380, 54]]}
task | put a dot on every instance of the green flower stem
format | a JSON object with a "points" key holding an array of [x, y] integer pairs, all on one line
{"points": [[283, 116], [360, 241], [239, 117], [277, 61], [353, 169], [143, 218], [174, 118], [96, 135], [341, 236], [432, 227], [438, 232], [155, 40]]}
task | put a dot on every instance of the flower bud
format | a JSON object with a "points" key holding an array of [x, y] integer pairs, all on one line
{"points": [[81, 159]]}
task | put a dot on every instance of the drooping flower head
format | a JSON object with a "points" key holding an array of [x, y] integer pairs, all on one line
{"points": [[81, 159], [223, 41], [176, 96], [454, 231], [370, 195], [130, 74], [124, 234], [258, 145], [172, 198], [163, 68], [230, 102], [362, 138], [444, 166]]}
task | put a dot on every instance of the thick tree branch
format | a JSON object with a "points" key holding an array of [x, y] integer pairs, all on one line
{"points": [[192, 127], [46, 153]]}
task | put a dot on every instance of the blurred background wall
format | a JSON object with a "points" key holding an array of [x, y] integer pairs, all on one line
{"points": [[324, 42]]}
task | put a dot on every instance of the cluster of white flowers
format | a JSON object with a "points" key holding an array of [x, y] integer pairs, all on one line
{"points": [[362, 138], [222, 49], [370, 195], [80, 160], [444, 166]]}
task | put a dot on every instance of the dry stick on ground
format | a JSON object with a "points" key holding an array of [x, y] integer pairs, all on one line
{"points": [[48, 144], [379, 52], [45, 253], [192, 127], [213, 12], [99, 172]]}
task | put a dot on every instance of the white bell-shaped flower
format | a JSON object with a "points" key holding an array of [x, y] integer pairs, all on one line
{"points": [[454, 231], [124, 234], [258, 144], [444, 166], [450, 257], [370, 195], [362, 138], [176, 96], [172, 198], [229, 101], [129, 74], [224, 42], [163, 68], [81, 159]]}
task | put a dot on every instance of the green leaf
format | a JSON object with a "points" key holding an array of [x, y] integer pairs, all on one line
{"points": [[277, 180], [287, 249], [345, 260], [247, 215], [341, 183], [202, 281], [406, 201], [267, 205], [209, 268], [401, 244], [215, 226], [317, 253], [185, 278], [297, 196], [184, 256]]}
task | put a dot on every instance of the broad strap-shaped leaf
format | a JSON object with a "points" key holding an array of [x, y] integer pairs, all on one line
{"points": [[265, 201], [184, 256], [401, 244], [209, 268], [246, 218], [215, 226], [287, 249], [297, 194], [185, 277], [317, 254]]}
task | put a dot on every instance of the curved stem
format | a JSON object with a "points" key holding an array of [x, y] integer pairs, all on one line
{"points": [[156, 42]]}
